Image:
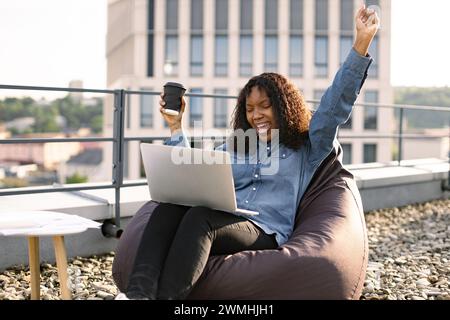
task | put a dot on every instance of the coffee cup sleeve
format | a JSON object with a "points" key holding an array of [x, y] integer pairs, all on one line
{"points": [[170, 112]]}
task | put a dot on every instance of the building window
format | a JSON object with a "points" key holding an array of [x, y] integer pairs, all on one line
{"points": [[196, 108], [246, 56], [321, 39], [171, 59], [196, 55], [150, 37], [246, 38], [347, 15], [221, 14], [196, 15], [296, 15], [196, 37], [146, 108], [296, 38], [171, 49], [374, 51], [295, 56], [220, 109], [271, 35], [370, 153], [347, 153], [346, 44], [321, 56], [246, 15], [371, 112], [372, 3], [221, 39], [322, 15], [271, 15], [271, 54], [221, 56], [172, 15]]}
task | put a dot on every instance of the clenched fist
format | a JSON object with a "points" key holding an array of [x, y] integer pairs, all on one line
{"points": [[367, 25]]}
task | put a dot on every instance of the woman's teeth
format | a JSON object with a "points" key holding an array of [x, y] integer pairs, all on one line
{"points": [[264, 127]]}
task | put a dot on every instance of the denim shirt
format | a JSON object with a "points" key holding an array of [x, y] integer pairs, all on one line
{"points": [[276, 197]]}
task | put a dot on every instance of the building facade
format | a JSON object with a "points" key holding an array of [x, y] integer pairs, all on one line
{"points": [[215, 46]]}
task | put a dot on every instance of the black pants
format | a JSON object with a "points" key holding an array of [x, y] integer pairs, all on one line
{"points": [[177, 242]]}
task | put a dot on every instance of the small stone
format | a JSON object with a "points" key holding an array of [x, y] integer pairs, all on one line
{"points": [[4, 279], [369, 288], [433, 293], [400, 261], [105, 295], [80, 286], [422, 283], [77, 262], [430, 236], [441, 282]]}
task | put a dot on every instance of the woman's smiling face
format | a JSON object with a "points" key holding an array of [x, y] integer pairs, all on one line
{"points": [[259, 113]]}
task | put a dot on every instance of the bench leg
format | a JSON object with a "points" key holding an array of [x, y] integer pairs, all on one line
{"points": [[35, 274], [61, 262]]}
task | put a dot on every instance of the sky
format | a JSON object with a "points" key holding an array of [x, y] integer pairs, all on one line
{"points": [[50, 42]]}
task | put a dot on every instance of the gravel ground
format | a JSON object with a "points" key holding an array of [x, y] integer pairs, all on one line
{"points": [[409, 259]]}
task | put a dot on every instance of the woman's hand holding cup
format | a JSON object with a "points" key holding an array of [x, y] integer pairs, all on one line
{"points": [[173, 94]]}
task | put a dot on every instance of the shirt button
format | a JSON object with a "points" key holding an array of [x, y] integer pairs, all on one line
{"points": [[284, 156], [254, 188], [268, 148], [256, 176], [246, 201]]}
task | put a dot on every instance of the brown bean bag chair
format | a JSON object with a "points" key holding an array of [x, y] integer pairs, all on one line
{"points": [[325, 257]]}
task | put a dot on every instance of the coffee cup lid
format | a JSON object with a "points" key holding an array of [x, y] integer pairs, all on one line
{"points": [[175, 84]]}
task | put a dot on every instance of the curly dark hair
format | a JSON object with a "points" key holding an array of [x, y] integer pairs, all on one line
{"points": [[288, 105]]}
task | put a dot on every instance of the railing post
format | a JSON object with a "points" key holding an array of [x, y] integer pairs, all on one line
{"points": [[112, 228], [400, 136]]}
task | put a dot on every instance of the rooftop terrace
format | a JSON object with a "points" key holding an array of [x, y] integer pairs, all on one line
{"points": [[409, 259], [409, 256]]}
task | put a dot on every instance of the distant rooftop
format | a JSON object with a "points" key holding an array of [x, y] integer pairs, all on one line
{"points": [[87, 157]]}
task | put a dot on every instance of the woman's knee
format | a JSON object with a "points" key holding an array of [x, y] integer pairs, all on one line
{"points": [[197, 216], [168, 211]]}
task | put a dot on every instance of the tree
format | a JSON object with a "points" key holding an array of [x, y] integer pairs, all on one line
{"points": [[45, 119], [76, 114], [97, 124], [76, 178], [424, 96]]}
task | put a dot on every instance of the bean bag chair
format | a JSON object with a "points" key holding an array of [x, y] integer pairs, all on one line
{"points": [[325, 257]]}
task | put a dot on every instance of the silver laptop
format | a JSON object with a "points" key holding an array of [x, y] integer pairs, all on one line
{"points": [[180, 175]]}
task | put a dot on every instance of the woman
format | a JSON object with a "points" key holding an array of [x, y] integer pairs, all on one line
{"points": [[178, 240]]}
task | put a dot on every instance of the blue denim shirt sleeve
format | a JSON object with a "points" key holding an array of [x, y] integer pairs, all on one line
{"points": [[178, 139], [336, 104]]}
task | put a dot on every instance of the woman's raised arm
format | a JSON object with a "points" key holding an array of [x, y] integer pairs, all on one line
{"points": [[337, 102]]}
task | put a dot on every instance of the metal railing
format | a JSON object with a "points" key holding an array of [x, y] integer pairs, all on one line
{"points": [[112, 227]]}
